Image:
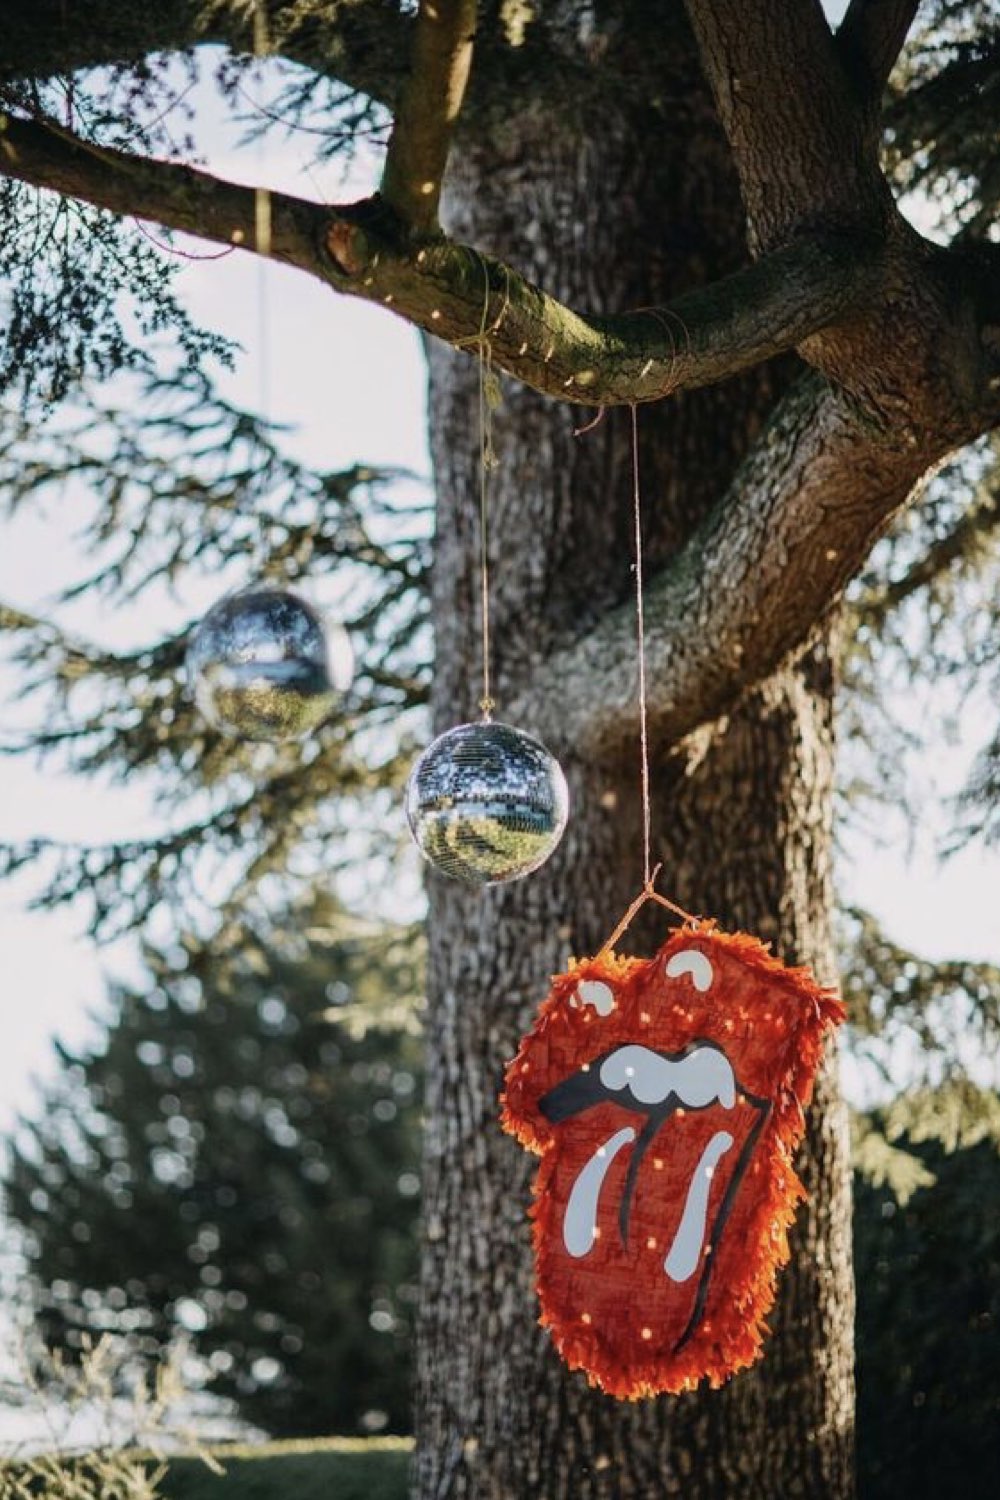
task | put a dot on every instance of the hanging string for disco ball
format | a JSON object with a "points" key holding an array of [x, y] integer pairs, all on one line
{"points": [[264, 664], [486, 803]]}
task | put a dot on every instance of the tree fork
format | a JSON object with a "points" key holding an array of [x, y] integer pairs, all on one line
{"points": [[908, 378]]}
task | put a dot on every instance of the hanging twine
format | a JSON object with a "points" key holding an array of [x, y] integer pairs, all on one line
{"points": [[262, 245], [262, 196], [648, 892], [489, 398], [486, 462], [641, 631]]}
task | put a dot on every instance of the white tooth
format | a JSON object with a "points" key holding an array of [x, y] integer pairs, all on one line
{"points": [[698, 1079], [691, 961], [580, 1218], [684, 1255], [704, 1076], [645, 1074], [598, 994]]}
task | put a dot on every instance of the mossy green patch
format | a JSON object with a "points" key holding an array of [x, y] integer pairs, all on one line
{"points": [[334, 1469]]}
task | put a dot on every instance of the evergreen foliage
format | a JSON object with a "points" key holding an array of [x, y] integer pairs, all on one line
{"points": [[941, 119], [240, 1161], [235, 1156], [928, 1278], [916, 1024], [175, 483], [88, 294]]}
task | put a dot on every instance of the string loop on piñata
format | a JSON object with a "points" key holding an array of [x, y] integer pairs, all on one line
{"points": [[648, 893]]}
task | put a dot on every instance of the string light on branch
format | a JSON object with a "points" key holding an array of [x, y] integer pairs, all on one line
{"points": [[265, 665]]}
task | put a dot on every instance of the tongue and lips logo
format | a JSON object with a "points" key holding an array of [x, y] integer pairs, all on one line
{"points": [[665, 1098]]}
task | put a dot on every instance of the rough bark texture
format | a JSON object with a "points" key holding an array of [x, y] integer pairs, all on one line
{"points": [[742, 824]]}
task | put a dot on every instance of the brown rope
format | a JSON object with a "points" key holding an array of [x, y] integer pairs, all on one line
{"points": [[641, 629], [648, 892]]}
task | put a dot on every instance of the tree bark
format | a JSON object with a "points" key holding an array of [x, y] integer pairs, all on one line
{"points": [[742, 823]]}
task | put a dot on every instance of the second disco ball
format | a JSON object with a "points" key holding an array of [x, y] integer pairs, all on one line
{"points": [[486, 803], [265, 665]]}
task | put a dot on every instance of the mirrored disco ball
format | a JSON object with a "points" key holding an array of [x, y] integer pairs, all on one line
{"points": [[486, 803], [265, 665]]}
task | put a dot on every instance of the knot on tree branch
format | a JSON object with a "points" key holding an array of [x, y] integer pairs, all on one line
{"points": [[362, 232], [347, 246]]}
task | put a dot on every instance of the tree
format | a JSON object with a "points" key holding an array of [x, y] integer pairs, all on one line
{"points": [[709, 184], [239, 1162], [928, 1294]]}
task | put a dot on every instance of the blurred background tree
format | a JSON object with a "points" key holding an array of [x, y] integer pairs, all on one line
{"points": [[239, 1162], [928, 1275]]}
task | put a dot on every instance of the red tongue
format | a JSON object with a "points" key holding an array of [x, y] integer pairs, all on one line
{"points": [[586, 1289]]}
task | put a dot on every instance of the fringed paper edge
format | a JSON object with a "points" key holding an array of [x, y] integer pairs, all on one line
{"points": [[707, 1356]]}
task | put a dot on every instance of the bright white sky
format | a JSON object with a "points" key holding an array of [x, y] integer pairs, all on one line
{"points": [[350, 380]]}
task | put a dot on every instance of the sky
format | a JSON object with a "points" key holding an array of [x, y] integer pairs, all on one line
{"points": [[349, 381]]}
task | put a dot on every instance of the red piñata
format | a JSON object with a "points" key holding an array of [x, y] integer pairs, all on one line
{"points": [[665, 1098]]}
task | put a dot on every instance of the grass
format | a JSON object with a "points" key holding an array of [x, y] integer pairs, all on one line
{"points": [[330, 1469]]}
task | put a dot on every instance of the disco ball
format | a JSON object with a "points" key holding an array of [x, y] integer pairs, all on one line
{"points": [[265, 665], [486, 803]]}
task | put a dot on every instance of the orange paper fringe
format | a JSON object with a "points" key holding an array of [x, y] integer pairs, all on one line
{"points": [[613, 1311]]}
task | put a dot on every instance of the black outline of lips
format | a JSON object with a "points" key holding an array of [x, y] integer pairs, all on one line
{"points": [[583, 1089]]}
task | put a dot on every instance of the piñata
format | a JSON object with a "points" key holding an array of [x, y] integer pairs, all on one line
{"points": [[665, 1098]]}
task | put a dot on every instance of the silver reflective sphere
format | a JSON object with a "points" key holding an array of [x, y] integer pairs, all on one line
{"points": [[264, 665], [486, 803]]}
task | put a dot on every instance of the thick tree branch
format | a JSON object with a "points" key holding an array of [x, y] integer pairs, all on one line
{"points": [[427, 111], [870, 39], [461, 296], [746, 590], [803, 146], [175, 196]]}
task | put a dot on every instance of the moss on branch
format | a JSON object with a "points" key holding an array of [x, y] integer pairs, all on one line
{"points": [[455, 293]]}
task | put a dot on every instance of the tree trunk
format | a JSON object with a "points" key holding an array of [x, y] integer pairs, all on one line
{"points": [[741, 822]]}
